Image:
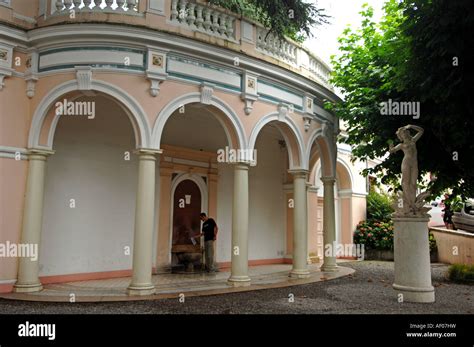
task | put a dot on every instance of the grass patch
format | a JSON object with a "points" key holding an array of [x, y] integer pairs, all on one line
{"points": [[461, 273]]}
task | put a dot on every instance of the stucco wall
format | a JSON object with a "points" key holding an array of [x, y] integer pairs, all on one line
{"points": [[267, 217], [89, 167], [454, 247]]}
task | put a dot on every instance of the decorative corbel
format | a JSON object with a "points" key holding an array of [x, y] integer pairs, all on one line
{"points": [[250, 91], [307, 122], [156, 69], [84, 77], [308, 110], [283, 111], [31, 76], [207, 91], [6, 59]]}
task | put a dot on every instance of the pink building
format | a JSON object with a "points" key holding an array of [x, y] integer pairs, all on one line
{"points": [[122, 120]]}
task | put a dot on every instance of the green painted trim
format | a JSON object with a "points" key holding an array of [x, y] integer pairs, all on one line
{"points": [[276, 100], [122, 67], [97, 65], [200, 80], [66, 49], [277, 86], [184, 59]]}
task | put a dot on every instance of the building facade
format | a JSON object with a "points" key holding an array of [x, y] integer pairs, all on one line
{"points": [[121, 120]]}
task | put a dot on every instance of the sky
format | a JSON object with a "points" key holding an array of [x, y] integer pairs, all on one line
{"points": [[343, 13]]}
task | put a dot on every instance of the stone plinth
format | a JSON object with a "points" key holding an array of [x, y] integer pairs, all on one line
{"points": [[412, 260]]}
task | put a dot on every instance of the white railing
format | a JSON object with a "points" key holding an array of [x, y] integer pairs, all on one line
{"points": [[200, 17], [108, 6], [271, 45], [319, 69]]}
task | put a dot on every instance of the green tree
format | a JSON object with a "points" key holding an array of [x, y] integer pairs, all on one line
{"points": [[408, 56], [290, 18]]}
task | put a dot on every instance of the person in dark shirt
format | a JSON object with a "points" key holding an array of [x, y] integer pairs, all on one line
{"points": [[448, 213], [209, 230]]}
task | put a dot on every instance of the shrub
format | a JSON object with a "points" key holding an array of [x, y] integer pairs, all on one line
{"points": [[374, 234], [379, 207], [461, 273], [433, 245], [379, 235]]}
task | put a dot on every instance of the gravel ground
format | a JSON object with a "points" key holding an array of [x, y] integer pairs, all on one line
{"points": [[367, 291]]}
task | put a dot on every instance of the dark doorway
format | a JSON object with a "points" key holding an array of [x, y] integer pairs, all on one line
{"points": [[186, 222]]}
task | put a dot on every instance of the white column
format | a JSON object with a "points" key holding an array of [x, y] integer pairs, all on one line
{"points": [[240, 225], [144, 221], [300, 225], [28, 280], [329, 225]]}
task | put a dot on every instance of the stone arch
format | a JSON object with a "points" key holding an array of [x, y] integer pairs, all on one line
{"points": [[133, 110], [344, 175], [291, 135], [327, 153], [226, 116]]}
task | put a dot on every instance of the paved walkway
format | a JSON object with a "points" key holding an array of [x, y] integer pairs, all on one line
{"points": [[171, 285]]}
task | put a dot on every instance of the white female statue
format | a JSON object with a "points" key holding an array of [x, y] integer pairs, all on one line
{"points": [[411, 203]]}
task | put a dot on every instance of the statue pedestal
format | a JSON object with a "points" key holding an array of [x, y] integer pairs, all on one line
{"points": [[412, 260]]}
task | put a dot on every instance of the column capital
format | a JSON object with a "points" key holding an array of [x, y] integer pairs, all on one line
{"points": [[39, 154], [299, 173], [241, 165], [328, 180], [40, 151], [147, 153]]}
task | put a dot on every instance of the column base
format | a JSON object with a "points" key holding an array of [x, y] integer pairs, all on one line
{"points": [[415, 294], [329, 268], [299, 274], [141, 290], [27, 288], [239, 281]]}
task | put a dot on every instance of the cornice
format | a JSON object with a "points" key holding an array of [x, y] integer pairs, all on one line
{"points": [[70, 34]]}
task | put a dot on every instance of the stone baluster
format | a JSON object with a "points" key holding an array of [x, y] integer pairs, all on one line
{"points": [[96, 5], [281, 49], [230, 26], [68, 4], [276, 45], [132, 5], [174, 10], [215, 22], [59, 5], [222, 27], [87, 4], [120, 4], [266, 42], [182, 10], [191, 18], [108, 5], [207, 19], [259, 38], [77, 3], [199, 18]]}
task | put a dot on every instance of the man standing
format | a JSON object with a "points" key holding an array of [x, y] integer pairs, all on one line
{"points": [[209, 230]]}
